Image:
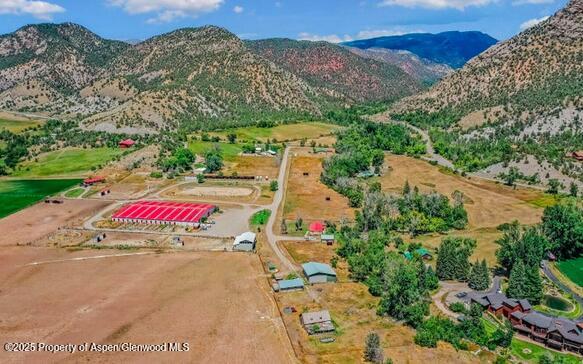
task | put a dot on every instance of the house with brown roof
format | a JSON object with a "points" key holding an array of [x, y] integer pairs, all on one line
{"points": [[317, 322]]}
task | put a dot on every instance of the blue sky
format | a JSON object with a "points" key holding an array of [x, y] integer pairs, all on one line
{"points": [[333, 20]]}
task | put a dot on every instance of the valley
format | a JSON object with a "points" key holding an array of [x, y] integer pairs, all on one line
{"points": [[376, 196]]}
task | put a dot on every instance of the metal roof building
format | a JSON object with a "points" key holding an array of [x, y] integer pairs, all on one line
{"points": [[245, 242], [318, 272], [289, 284]]}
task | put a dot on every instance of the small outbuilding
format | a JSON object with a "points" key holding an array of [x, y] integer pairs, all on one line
{"points": [[422, 252], [128, 143], [289, 285], [93, 180], [317, 227], [327, 238], [245, 242], [319, 272], [317, 322]]}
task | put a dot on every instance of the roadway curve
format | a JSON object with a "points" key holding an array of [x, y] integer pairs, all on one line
{"points": [[550, 275], [274, 207]]}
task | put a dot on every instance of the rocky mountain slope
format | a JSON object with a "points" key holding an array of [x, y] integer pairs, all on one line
{"points": [[336, 72], [189, 77], [451, 48], [423, 70], [519, 101]]}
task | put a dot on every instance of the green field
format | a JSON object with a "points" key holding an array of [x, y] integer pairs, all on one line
{"points": [[18, 194], [532, 353], [573, 269], [260, 217], [67, 162], [230, 151], [75, 192], [281, 132], [17, 126]]}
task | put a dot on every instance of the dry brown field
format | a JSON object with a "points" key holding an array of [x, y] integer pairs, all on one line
{"points": [[253, 166], [488, 204], [219, 303], [39, 220], [306, 195], [353, 310]]}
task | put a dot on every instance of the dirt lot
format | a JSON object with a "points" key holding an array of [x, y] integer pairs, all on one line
{"points": [[306, 195], [353, 310], [38, 221], [234, 191], [488, 204], [219, 303]]}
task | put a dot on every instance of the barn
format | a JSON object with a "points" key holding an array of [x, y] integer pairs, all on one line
{"points": [[164, 212], [128, 143], [245, 242], [318, 272]]}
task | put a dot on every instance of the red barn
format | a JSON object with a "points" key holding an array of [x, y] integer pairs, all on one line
{"points": [[93, 180], [128, 143], [317, 227]]}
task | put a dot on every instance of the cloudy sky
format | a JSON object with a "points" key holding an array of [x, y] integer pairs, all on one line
{"points": [[332, 20]]}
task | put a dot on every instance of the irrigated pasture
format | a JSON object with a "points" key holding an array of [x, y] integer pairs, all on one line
{"points": [[17, 126], [284, 132], [18, 194], [67, 162], [218, 303], [573, 268]]}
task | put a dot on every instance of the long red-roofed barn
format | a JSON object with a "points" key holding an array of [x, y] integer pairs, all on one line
{"points": [[164, 212]]}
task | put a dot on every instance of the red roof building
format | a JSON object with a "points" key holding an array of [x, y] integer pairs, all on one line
{"points": [[93, 180], [128, 143], [317, 227], [163, 212]]}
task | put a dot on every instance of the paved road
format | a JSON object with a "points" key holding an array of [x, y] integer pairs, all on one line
{"points": [[550, 275], [274, 207]]}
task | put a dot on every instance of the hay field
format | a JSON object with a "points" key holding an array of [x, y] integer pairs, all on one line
{"points": [[306, 195], [249, 165], [283, 132], [16, 126], [218, 303], [488, 204]]}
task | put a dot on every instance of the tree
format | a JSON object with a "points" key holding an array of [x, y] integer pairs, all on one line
{"points": [[479, 279], [562, 225], [283, 227], [200, 178], [525, 283], [534, 286], [372, 351], [273, 186], [299, 223], [573, 190], [453, 258], [232, 137], [511, 177], [214, 160], [527, 245], [554, 186]]}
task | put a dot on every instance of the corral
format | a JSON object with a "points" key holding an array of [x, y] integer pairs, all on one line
{"points": [[164, 212]]}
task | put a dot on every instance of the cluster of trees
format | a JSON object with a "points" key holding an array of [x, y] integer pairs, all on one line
{"points": [[479, 279], [562, 225], [360, 148], [213, 159], [453, 258], [471, 329], [181, 159]]}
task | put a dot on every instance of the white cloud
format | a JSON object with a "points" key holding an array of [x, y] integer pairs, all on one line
{"points": [[167, 10], [532, 22], [331, 38], [39, 9], [436, 4], [363, 34], [238, 9], [523, 2]]}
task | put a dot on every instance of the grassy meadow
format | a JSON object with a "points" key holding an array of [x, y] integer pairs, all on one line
{"points": [[573, 269], [16, 126], [16, 195], [67, 162], [281, 132], [230, 151]]}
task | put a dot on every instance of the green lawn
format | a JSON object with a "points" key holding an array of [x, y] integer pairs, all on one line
{"points": [[573, 269], [260, 218], [534, 352], [281, 132], [18, 194], [74, 193], [17, 126], [67, 162], [230, 151]]}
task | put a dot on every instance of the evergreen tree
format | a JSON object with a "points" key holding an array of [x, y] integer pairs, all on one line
{"points": [[573, 190], [517, 284], [453, 258], [373, 351], [534, 286], [479, 279]]}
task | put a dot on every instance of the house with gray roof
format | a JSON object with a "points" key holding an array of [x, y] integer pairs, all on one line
{"points": [[318, 272], [317, 322], [245, 242], [289, 285]]}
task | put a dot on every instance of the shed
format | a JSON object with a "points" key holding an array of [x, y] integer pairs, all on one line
{"points": [[128, 143], [422, 252], [290, 285], [93, 180], [319, 272], [317, 322], [317, 227], [327, 238], [245, 242]]}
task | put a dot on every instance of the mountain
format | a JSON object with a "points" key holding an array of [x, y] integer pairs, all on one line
{"points": [[520, 103], [451, 48], [189, 77], [337, 72], [423, 70], [540, 68]]}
